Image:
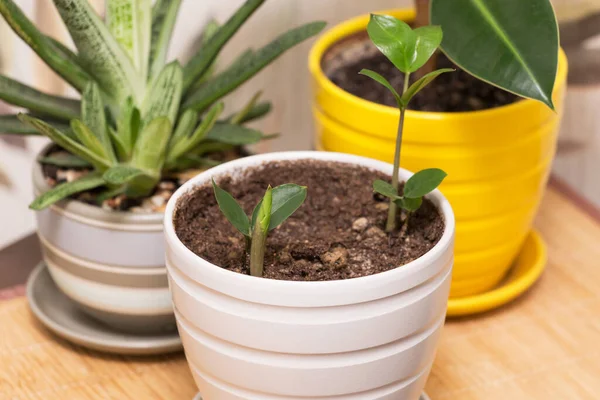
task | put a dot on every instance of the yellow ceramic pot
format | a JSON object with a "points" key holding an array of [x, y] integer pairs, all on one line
{"points": [[498, 160]]}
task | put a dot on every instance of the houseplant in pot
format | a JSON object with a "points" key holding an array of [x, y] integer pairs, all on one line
{"points": [[491, 143], [121, 150], [312, 288]]}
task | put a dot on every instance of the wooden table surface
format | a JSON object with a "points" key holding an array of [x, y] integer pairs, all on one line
{"points": [[544, 346]]}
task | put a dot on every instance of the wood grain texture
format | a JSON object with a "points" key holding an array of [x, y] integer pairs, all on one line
{"points": [[544, 346]]}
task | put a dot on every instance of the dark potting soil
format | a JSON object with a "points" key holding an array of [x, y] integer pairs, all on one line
{"points": [[449, 92], [336, 234], [155, 202]]}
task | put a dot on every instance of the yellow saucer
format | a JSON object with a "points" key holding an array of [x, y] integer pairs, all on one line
{"points": [[527, 268]]}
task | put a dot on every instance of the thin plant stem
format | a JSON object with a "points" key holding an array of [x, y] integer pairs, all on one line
{"points": [[257, 251], [391, 221]]}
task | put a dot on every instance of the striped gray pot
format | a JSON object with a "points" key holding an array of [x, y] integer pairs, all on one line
{"points": [[110, 263]]}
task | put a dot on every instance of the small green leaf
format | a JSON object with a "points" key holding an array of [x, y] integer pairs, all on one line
{"points": [[87, 182], [423, 182], [287, 198], [385, 189], [429, 39], [247, 108], [88, 139], [185, 126], [420, 84], [232, 210], [257, 112], [151, 146], [121, 174], [384, 82], [410, 205], [128, 126], [234, 76], [395, 39], [264, 215], [64, 160], [94, 117], [237, 135]]}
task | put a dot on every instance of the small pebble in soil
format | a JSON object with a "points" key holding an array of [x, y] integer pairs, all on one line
{"points": [[360, 224]]}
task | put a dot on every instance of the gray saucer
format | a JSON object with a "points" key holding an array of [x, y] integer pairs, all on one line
{"points": [[423, 397], [59, 314]]}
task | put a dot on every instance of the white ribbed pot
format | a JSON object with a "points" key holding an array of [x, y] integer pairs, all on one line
{"points": [[110, 263], [371, 338]]}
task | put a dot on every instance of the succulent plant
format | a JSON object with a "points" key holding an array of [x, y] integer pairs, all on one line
{"points": [[139, 116]]}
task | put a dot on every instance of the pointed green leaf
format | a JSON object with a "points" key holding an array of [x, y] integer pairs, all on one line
{"points": [[385, 189], [64, 190], [234, 76], [247, 108], [423, 182], [163, 99], [265, 213], [129, 22], [109, 194], [64, 160], [164, 15], [382, 81], [395, 39], [209, 31], [232, 210], [21, 95], [121, 174], [65, 142], [420, 84], [511, 44], [237, 135], [410, 205], [287, 198], [70, 71], [202, 60], [64, 51], [151, 146], [123, 152], [99, 52], [87, 138], [128, 126], [257, 112], [94, 117], [429, 39], [185, 126], [10, 124]]}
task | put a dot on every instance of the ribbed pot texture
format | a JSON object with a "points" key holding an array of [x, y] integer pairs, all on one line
{"points": [[372, 337]]}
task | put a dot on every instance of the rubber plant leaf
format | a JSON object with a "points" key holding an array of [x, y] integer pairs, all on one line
{"points": [[64, 190], [512, 44], [233, 77], [423, 182], [99, 51], [232, 210]]}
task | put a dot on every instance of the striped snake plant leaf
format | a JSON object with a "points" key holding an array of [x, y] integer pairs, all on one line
{"points": [[64, 160], [233, 134], [87, 138], [121, 174], [239, 73], [122, 150], [70, 71], [151, 146], [94, 117], [99, 52], [164, 15], [10, 124], [185, 126], [64, 51], [256, 112], [237, 118], [129, 21], [128, 126], [21, 95], [66, 142], [162, 100], [209, 31], [64, 190], [188, 143], [202, 60]]}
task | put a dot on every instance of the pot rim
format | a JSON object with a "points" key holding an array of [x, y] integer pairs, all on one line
{"points": [[357, 24], [94, 215], [240, 280]]}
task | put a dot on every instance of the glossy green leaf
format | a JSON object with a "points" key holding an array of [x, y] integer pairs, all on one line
{"points": [[429, 39], [232, 210], [203, 59], [512, 44], [21, 95], [237, 135], [121, 174], [129, 22], [233, 77], [385, 189], [64, 190], [420, 84], [94, 117], [65, 142], [410, 205], [287, 198], [164, 15], [382, 81], [163, 99], [99, 52], [70, 71], [64, 160], [88, 139], [423, 182]]}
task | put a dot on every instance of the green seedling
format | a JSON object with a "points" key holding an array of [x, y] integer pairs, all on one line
{"points": [[277, 205], [140, 117], [408, 50]]}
